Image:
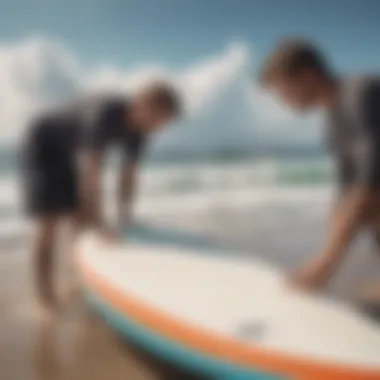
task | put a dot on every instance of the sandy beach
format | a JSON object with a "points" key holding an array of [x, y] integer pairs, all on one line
{"points": [[75, 345], [201, 131]]}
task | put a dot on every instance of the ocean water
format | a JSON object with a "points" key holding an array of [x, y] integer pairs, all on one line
{"points": [[266, 203], [273, 207]]}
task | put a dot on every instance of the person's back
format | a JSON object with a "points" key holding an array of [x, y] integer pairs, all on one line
{"points": [[72, 125], [58, 136]]}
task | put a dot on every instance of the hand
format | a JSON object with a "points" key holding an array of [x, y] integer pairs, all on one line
{"points": [[124, 222], [311, 277], [108, 235]]}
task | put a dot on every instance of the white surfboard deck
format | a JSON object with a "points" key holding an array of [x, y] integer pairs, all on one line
{"points": [[243, 299]]}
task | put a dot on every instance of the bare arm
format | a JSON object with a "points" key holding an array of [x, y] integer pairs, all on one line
{"points": [[346, 221], [127, 187], [133, 150], [90, 188], [353, 208]]}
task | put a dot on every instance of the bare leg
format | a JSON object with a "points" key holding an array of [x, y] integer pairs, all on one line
{"points": [[43, 258], [370, 291], [375, 234], [75, 227], [373, 222]]}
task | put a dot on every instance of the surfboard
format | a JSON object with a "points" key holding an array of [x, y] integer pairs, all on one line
{"points": [[227, 316]]}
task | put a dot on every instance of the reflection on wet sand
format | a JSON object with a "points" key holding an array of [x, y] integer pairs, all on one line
{"points": [[75, 345], [80, 346]]}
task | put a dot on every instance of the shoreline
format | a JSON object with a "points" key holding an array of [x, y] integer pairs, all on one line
{"points": [[77, 345], [73, 345]]}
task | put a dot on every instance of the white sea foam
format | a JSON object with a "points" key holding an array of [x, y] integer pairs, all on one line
{"points": [[170, 181], [183, 189]]}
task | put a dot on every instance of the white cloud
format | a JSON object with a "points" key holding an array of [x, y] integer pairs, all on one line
{"points": [[225, 107], [33, 74]]}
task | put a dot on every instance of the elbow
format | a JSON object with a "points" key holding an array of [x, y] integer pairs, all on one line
{"points": [[366, 200]]}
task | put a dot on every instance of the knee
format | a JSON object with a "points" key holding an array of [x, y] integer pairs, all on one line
{"points": [[46, 230]]}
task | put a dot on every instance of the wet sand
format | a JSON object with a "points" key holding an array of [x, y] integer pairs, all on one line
{"points": [[75, 345]]}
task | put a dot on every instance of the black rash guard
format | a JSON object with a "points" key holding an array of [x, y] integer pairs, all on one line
{"points": [[354, 132], [94, 123], [53, 144]]}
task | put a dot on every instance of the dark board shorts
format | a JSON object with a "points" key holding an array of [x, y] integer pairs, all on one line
{"points": [[49, 173]]}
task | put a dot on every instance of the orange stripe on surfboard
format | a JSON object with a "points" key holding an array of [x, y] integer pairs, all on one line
{"points": [[213, 345]]}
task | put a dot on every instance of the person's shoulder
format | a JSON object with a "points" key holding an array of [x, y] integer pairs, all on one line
{"points": [[113, 100], [357, 89], [107, 105], [357, 85], [101, 99]]}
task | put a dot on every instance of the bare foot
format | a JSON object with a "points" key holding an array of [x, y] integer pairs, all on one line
{"points": [[49, 304], [73, 294]]}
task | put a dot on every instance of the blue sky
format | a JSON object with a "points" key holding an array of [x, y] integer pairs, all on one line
{"points": [[208, 47], [128, 32]]}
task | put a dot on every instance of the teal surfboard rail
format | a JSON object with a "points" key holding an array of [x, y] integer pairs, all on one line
{"points": [[169, 351]]}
